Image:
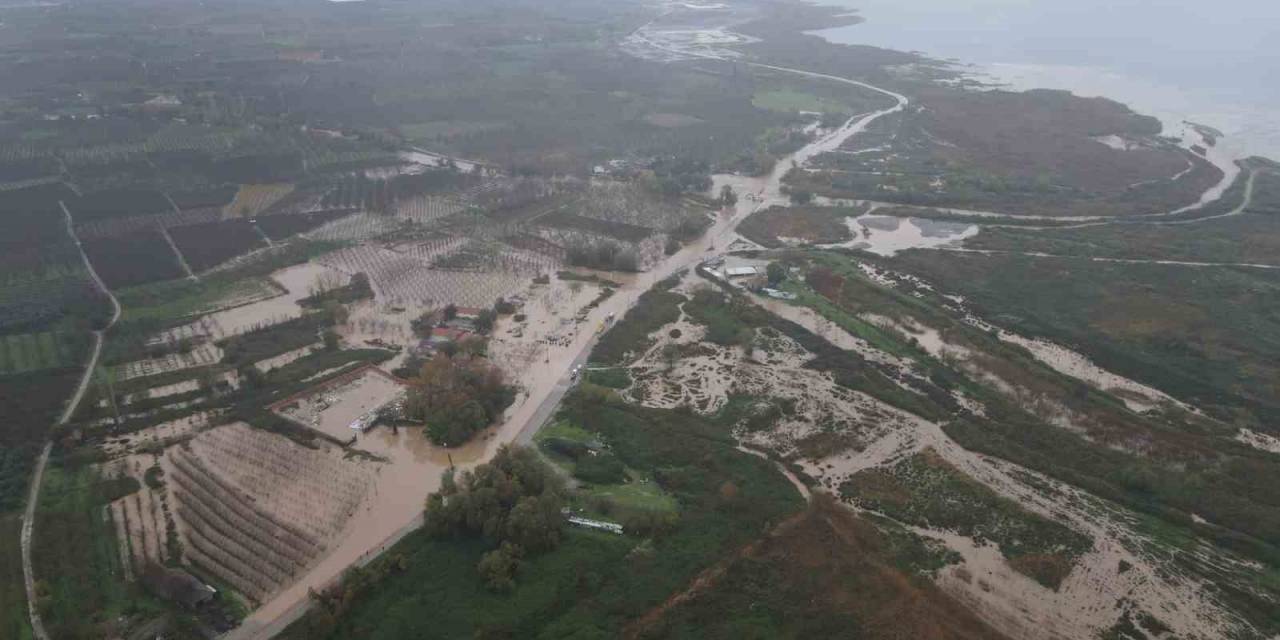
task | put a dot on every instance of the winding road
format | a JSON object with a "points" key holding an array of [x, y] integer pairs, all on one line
{"points": [[33, 496]]}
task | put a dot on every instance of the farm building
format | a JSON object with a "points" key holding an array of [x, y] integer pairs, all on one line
{"points": [[598, 525], [448, 334], [351, 401], [176, 585]]}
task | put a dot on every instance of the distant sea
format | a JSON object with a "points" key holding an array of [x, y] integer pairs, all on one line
{"points": [[1211, 62]]}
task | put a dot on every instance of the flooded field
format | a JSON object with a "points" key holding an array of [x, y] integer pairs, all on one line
{"points": [[342, 408], [887, 235], [256, 508], [297, 282]]}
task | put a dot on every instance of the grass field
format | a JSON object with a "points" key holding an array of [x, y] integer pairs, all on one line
{"points": [[791, 101], [639, 493], [171, 301], [775, 226], [13, 597], [24, 352], [81, 585]]}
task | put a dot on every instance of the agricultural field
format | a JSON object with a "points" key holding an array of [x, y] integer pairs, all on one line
{"points": [[208, 245], [118, 203], [253, 199], [281, 226], [114, 227], [23, 352], [401, 279], [133, 259], [30, 405], [13, 596], [255, 509], [191, 356], [42, 278], [84, 590], [203, 198]]}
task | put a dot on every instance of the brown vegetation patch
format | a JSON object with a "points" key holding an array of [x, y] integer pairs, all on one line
{"points": [[820, 575], [671, 120], [1046, 132], [775, 226], [817, 446], [1045, 568]]}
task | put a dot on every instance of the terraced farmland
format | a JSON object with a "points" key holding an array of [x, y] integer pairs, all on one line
{"points": [[255, 509]]}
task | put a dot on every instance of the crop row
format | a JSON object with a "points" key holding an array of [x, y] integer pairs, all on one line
{"points": [[225, 566], [252, 519], [270, 562], [398, 278], [309, 489]]}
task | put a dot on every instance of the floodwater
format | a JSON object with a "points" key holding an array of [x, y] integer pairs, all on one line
{"points": [[297, 281], [334, 408], [887, 235]]}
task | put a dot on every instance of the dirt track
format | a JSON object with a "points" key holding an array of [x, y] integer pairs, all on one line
{"points": [[29, 516]]}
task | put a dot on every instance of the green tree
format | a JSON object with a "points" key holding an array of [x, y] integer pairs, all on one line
{"points": [[484, 321], [727, 196], [776, 273], [458, 395], [514, 502], [498, 567], [535, 522], [331, 340]]}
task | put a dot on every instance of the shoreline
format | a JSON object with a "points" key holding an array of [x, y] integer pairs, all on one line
{"points": [[1249, 127]]}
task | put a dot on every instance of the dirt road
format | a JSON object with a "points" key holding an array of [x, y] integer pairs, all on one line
{"points": [[33, 496]]}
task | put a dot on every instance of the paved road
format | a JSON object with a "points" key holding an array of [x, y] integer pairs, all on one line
{"points": [[37, 478], [552, 400]]}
